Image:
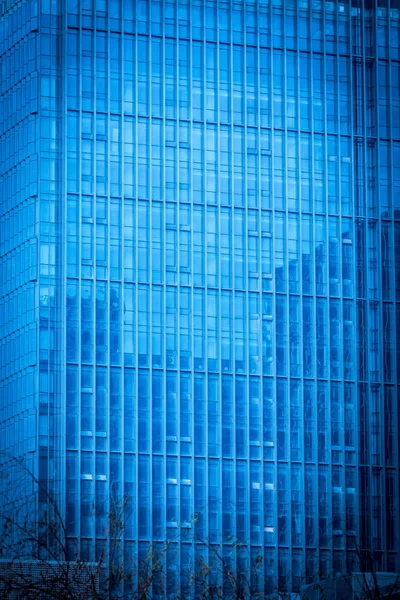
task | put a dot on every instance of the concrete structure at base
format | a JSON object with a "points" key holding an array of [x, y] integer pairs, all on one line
{"points": [[356, 586], [48, 579]]}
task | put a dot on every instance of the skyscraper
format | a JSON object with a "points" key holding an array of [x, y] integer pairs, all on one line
{"points": [[200, 290]]}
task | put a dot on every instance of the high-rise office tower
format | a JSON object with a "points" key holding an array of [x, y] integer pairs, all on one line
{"points": [[200, 290]]}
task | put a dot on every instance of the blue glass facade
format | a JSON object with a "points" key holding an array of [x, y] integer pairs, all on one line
{"points": [[200, 306]]}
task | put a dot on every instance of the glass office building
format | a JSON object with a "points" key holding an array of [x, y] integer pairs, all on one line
{"points": [[200, 278]]}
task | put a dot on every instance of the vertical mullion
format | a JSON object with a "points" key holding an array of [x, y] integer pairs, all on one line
{"points": [[149, 201], [273, 287], [79, 271], [94, 214], [122, 259], [260, 291], [178, 285], [299, 259], [246, 273], [136, 271]]}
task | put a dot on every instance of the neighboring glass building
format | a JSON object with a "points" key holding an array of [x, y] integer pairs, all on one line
{"points": [[200, 278]]}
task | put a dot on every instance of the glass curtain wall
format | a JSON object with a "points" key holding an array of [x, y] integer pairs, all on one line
{"points": [[225, 180]]}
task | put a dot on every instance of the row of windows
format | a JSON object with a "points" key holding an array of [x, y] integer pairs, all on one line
{"points": [[239, 152], [18, 394], [143, 9], [235, 252], [239, 200], [16, 483], [18, 351], [173, 216], [152, 55], [18, 144], [18, 62], [210, 326], [177, 566], [15, 27], [235, 160], [229, 108], [17, 309], [17, 104], [297, 112], [233, 98], [226, 255], [252, 26], [229, 185], [217, 520], [294, 422], [17, 226], [19, 266], [19, 432], [136, 135], [18, 184], [282, 491]]}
